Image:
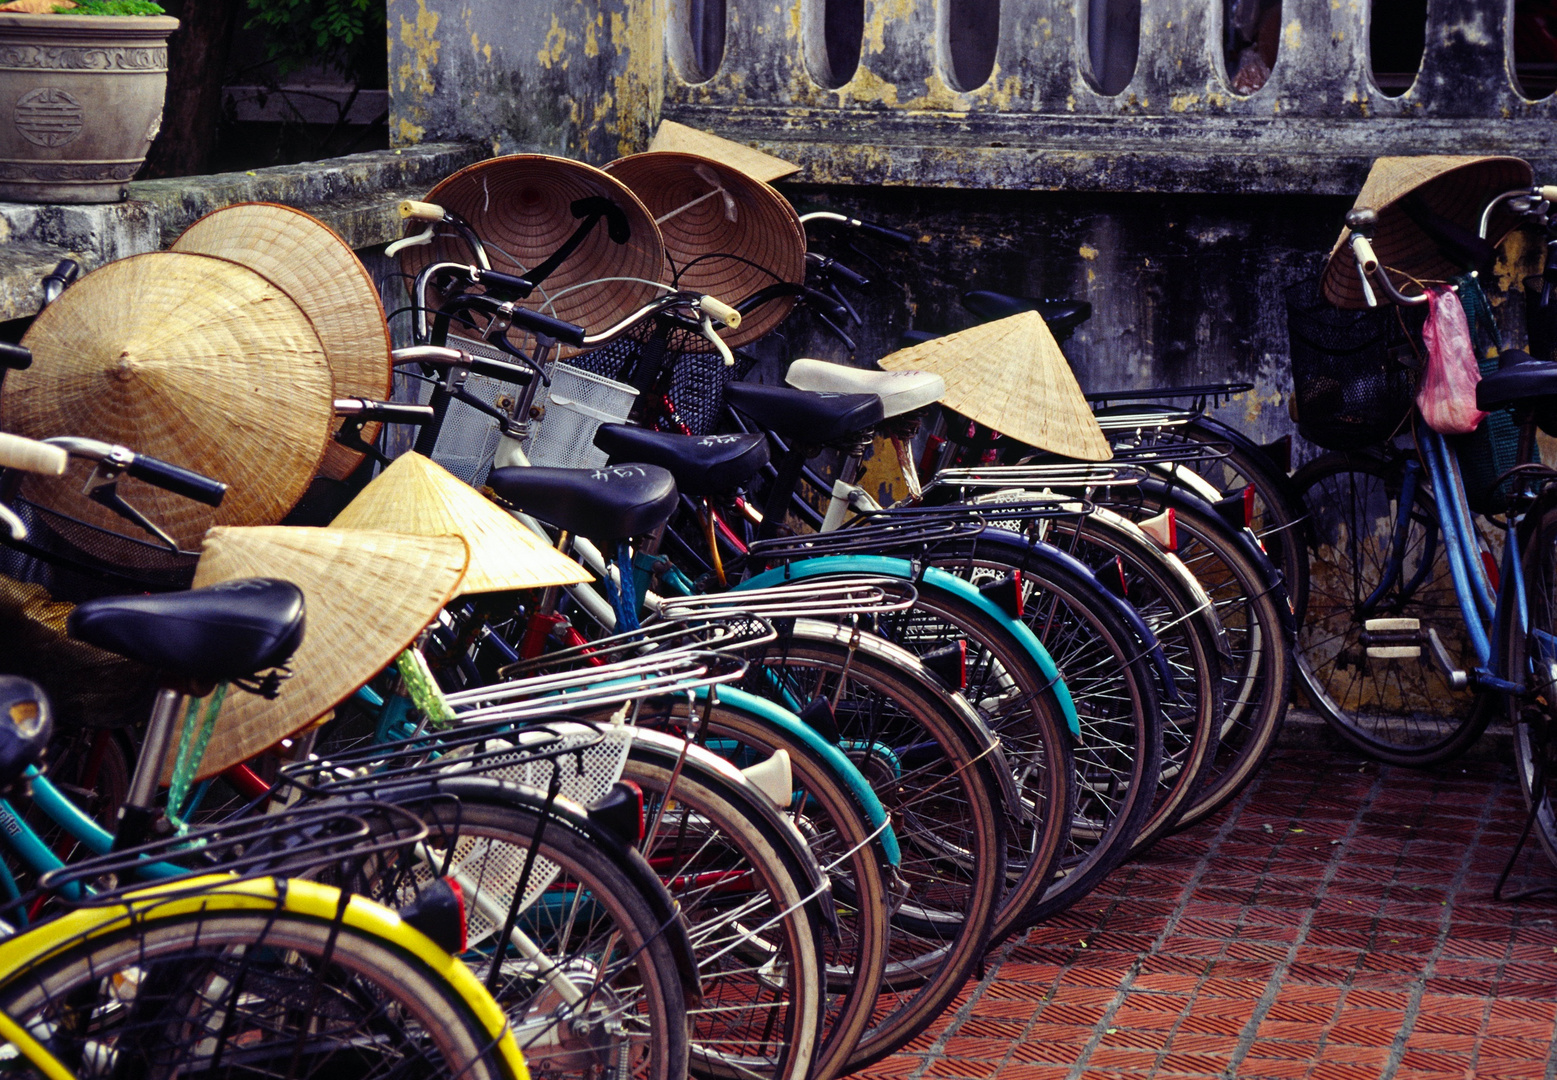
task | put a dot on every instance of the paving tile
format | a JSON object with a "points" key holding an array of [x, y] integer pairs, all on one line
{"points": [[1253, 939]]}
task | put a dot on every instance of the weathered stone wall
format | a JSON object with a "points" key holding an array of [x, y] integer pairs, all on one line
{"points": [[1179, 209]]}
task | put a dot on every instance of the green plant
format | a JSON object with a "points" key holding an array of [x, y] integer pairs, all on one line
{"points": [[111, 7], [304, 32]]}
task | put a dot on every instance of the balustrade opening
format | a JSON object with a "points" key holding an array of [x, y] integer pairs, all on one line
{"points": [[971, 33], [1113, 34], [1251, 38], [833, 32]]}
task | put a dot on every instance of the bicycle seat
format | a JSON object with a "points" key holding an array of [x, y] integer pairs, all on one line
{"points": [[1519, 378], [909, 338], [607, 504], [214, 634], [805, 416], [1061, 315], [701, 464], [900, 391]]}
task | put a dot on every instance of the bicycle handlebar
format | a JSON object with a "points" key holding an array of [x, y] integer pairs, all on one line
{"points": [[880, 232], [421, 211], [154, 471], [387, 412], [30, 455], [15, 357]]}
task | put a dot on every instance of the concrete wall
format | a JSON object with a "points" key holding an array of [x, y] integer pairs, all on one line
{"points": [[1178, 208]]}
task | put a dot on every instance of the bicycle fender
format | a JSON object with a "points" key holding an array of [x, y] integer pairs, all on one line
{"points": [[842, 767], [948, 582], [573, 816], [220, 892]]}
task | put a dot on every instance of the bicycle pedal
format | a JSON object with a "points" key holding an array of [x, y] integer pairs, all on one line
{"points": [[1393, 638]]}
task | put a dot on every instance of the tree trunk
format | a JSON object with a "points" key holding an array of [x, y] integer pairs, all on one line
{"points": [[197, 62]]}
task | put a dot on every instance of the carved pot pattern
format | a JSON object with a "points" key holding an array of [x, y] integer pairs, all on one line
{"points": [[80, 102]]}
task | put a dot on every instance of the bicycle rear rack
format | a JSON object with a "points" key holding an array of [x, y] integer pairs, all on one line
{"points": [[1131, 421], [727, 633], [596, 687], [821, 599], [886, 529], [1214, 393], [1058, 475]]}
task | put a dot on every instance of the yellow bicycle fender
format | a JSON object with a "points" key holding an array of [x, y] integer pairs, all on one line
{"points": [[32, 1051], [300, 897]]}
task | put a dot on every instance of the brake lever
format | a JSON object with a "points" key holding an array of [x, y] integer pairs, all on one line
{"points": [[842, 336], [102, 487], [349, 435], [854, 316]]}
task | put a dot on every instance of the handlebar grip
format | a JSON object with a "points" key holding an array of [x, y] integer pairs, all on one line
{"points": [[1363, 248], [180, 481], [15, 357], [720, 310], [421, 211], [32, 456], [1548, 192], [388, 412], [556, 329], [880, 232], [853, 277], [511, 283]]}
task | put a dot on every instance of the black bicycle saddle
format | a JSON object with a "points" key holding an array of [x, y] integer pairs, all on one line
{"points": [[701, 464], [214, 634], [607, 504], [809, 417]]}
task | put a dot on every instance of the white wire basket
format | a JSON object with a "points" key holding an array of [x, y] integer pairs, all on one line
{"points": [[573, 407]]}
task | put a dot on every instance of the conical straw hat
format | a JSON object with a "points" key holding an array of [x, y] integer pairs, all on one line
{"points": [[1011, 376], [303, 257], [726, 234], [194, 360], [367, 596], [415, 495], [678, 138], [1457, 189], [521, 208]]}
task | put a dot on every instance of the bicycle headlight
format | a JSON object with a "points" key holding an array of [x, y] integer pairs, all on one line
{"points": [[26, 722]]}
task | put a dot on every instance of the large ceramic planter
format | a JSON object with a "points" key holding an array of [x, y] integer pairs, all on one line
{"points": [[80, 101]]}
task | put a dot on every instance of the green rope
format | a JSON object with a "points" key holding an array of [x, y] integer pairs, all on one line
{"points": [[422, 690], [191, 749]]}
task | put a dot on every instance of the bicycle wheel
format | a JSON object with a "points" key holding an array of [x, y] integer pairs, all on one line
{"points": [[938, 779], [1258, 673], [1401, 711], [723, 853], [245, 993], [1014, 698], [1171, 605], [1531, 660], [592, 923], [1278, 512], [1119, 755], [830, 818]]}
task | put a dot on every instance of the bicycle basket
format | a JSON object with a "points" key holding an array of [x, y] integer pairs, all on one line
{"points": [[576, 403], [695, 388], [86, 561], [1352, 371], [467, 437]]}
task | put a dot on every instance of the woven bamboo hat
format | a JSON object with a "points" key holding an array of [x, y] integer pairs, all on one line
{"points": [[304, 258], [368, 595], [1011, 376], [523, 205], [415, 495], [678, 138], [1457, 189], [194, 360], [726, 234]]}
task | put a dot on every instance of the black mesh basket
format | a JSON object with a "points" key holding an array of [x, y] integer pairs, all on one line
{"points": [[83, 561], [660, 355], [1353, 377]]}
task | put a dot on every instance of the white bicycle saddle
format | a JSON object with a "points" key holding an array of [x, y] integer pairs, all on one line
{"points": [[899, 391]]}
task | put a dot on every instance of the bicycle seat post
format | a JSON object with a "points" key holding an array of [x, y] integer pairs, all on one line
{"points": [[139, 812]]}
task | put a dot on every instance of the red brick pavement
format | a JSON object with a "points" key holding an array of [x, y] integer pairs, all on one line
{"points": [[1335, 923]]}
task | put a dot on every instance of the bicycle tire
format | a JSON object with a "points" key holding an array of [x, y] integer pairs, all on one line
{"points": [[1119, 754], [141, 988], [953, 851], [1190, 725], [719, 824], [614, 940], [1392, 710], [1531, 661], [1249, 601], [835, 826]]}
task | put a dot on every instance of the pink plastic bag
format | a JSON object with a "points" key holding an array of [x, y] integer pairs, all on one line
{"points": [[1447, 395]]}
